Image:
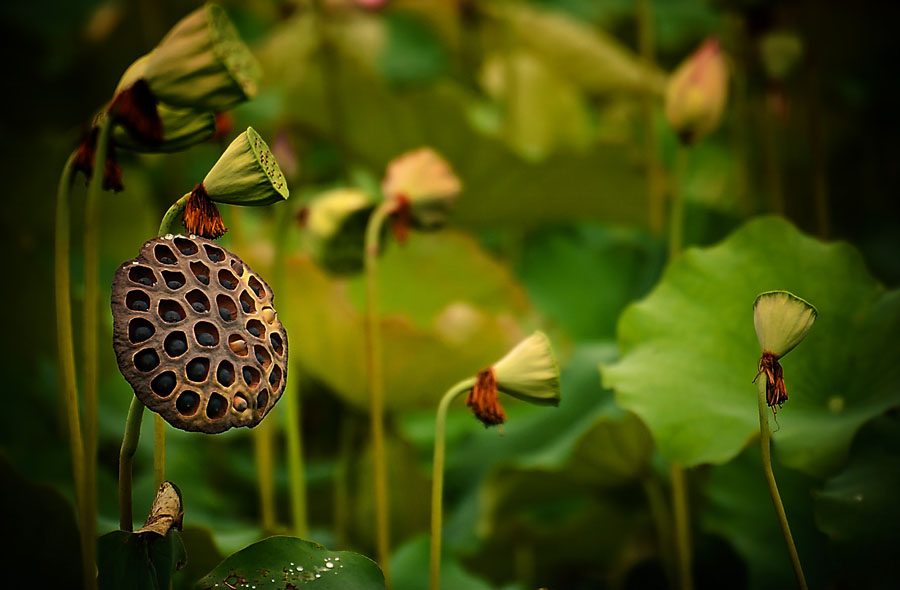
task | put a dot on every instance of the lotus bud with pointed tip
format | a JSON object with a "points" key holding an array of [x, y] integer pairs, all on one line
{"points": [[781, 320], [335, 226], [423, 185], [696, 93], [528, 372], [202, 63]]}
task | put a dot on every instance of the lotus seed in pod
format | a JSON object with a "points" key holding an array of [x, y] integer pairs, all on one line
{"points": [[196, 335]]}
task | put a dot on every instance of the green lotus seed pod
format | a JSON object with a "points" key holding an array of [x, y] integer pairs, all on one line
{"points": [[335, 226], [781, 320], [246, 174], [424, 182], [182, 128], [530, 371], [202, 63]]}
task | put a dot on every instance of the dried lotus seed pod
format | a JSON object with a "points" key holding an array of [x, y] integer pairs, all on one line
{"points": [[196, 335]]}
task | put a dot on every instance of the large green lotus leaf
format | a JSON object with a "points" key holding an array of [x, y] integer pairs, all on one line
{"points": [[593, 59], [377, 123], [286, 562], [689, 351], [612, 267], [738, 507], [542, 111], [409, 567], [441, 338], [859, 511]]}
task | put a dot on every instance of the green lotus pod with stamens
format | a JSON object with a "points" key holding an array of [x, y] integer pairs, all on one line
{"points": [[246, 174], [335, 226], [202, 63], [781, 320], [182, 128], [530, 371], [424, 182]]}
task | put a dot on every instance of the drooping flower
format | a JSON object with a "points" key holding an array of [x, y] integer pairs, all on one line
{"points": [[781, 320], [528, 372], [423, 187]]}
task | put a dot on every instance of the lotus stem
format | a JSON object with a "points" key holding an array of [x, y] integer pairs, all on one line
{"points": [[126, 462], [376, 387], [69, 382], [437, 479], [765, 437]]}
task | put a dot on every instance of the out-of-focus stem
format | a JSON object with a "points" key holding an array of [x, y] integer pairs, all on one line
{"points": [[765, 437], [126, 462], [341, 485], [69, 382], [376, 388], [769, 130], [662, 519], [676, 213], [91, 323], [437, 479], [655, 195], [682, 527]]}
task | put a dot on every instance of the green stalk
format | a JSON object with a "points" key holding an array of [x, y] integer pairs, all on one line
{"points": [[166, 226], [682, 527], [437, 479], [765, 437], [91, 324], [65, 343], [656, 498], [655, 194], [676, 215], [376, 388], [126, 461], [680, 510], [292, 396]]}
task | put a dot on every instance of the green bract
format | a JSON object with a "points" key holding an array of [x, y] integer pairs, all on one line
{"points": [[781, 320], [246, 174], [426, 182], [202, 63], [530, 371], [335, 227], [182, 128]]}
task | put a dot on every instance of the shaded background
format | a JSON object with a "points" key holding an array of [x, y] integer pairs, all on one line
{"points": [[553, 230]]}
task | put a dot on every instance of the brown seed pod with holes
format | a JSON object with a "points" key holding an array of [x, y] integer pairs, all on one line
{"points": [[196, 335]]}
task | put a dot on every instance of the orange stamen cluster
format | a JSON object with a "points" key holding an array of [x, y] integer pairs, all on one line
{"points": [[202, 217], [401, 219], [776, 393], [135, 109], [484, 399], [84, 161]]}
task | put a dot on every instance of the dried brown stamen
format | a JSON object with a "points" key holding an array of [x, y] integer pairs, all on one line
{"points": [[401, 219], [485, 401], [135, 109], [84, 161], [776, 393], [202, 217]]}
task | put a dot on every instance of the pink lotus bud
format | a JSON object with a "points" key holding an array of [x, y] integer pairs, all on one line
{"points": [[696, 93]]}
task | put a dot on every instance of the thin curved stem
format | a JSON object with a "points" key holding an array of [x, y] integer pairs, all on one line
{"points": [[126, 461], [293, 430], [437, 479], [166, 226], [682, 520], [69, 381], [676, 213], [765, 437], [376, 387], [91, 322]]}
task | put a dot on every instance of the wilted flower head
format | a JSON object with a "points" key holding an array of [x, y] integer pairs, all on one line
{"points": [[781, 320], [181, 128], [529, 372], [202, 63], [335, 226], [246, 174], [696, 93], [424, 187]]}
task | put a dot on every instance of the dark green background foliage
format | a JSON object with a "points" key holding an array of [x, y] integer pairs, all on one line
{"points": [[543, 108]]}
